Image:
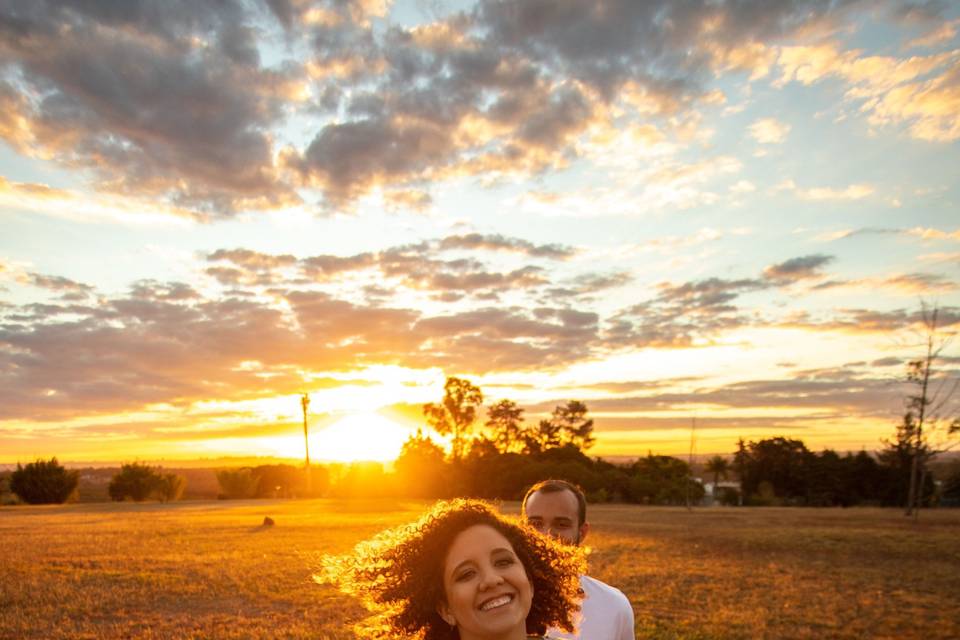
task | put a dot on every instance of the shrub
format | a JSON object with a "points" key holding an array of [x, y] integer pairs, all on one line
{"points": [[135, 481], [44, 482], [729, 497], [237, 483], [171, 487], [6, 496]]}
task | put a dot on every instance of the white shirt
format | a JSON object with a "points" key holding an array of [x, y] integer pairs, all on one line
{"points": [[606, 614]]}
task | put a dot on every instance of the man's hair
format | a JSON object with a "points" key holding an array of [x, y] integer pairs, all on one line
{"points": [[398, 574], [556, 486]]}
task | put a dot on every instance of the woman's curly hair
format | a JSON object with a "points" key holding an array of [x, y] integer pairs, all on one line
{"points": [[398, 574]]}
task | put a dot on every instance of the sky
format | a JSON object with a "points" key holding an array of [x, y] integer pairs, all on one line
{"points": [[712, 213]]}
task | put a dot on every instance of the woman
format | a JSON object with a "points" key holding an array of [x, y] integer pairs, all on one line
{"points": [[461, 572]]}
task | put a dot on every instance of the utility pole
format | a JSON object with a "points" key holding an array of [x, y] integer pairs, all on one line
{"points": [[693, 439], [305, 403]]}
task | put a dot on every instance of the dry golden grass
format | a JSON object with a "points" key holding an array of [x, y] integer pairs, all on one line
{"points": [[210, 570]]}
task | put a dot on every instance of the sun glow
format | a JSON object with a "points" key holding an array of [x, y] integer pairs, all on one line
{"points": [[354, 437]]}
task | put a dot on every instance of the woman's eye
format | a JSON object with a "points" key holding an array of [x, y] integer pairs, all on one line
{"points": [[504, 562], [466, 575]]}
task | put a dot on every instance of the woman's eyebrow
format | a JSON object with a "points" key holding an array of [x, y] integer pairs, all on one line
{"points": [[461, 565]]}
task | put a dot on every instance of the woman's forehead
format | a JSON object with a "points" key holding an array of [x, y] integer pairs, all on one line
{"points": [[476, 543]]}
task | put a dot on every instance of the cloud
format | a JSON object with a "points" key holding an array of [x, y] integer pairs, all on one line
{"points": [[197, 118], [769, 131], [795, 269], [183, 119], [851, 192], [412, 199], [928, 233], [497, 242], [873, 321], [939, 34], [837, 392], [684, 315], [920, 92], [904, 283], [56, 283], [587, 284], [508, 89], [416, 266]]}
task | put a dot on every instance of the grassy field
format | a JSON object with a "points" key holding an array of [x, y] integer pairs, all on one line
{"points": [[211, 570]]}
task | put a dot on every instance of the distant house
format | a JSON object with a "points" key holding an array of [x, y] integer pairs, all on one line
{"points": [[713, 492]]}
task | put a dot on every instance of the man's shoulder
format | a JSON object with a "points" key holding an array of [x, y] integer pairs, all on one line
{"points": [[599, 590]]}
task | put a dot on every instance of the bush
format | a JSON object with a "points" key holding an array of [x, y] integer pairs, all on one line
{"points": [[140, 482], [6, 496], [171, 487], [728, 496], [237, 483], [44, 482]]}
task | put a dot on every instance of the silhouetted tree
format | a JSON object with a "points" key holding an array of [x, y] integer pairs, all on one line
{"points": [[136, 481], [237, 483], [456, 413], [545, 436], [951, 486], [781, 463], [44, 482], [929, 410], [171, 487], [505, 418], [421, 469], [896, 458], [575, 427], [662, 480]]}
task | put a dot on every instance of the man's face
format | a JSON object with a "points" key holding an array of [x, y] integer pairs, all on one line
{"points": [[556, 514]]}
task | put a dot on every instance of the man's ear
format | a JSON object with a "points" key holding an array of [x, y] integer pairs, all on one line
{"points": [[584, 529], [444, 611]]}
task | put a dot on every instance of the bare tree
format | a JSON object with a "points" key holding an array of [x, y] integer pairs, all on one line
{"points": [[931, 412]]}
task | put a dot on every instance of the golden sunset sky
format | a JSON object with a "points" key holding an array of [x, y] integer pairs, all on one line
{"points": [[713, 210]]}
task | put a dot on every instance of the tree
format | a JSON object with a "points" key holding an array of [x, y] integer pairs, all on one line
{"points": [[719, 467], [779, 464], [896, 460], [740, 460], [237, 483], [44, 482], [138, 482], [456, 413], [575, 428], [505, 418], [544, 437], [929, 410], [420, 468], [171, 487], [662, 480]]}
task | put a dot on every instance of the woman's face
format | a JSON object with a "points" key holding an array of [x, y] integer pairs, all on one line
{"points": [[488, 593]]}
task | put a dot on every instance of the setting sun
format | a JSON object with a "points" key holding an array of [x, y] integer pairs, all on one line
{"points": [[359, 436], [354, 437]]}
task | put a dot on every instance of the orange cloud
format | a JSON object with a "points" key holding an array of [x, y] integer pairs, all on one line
{"points": [[922, 92]]}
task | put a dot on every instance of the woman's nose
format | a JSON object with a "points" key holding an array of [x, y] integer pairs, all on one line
{"points": [[490, 578]]}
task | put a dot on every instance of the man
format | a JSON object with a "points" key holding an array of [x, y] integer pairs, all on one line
{"points": [[559, 508]]}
